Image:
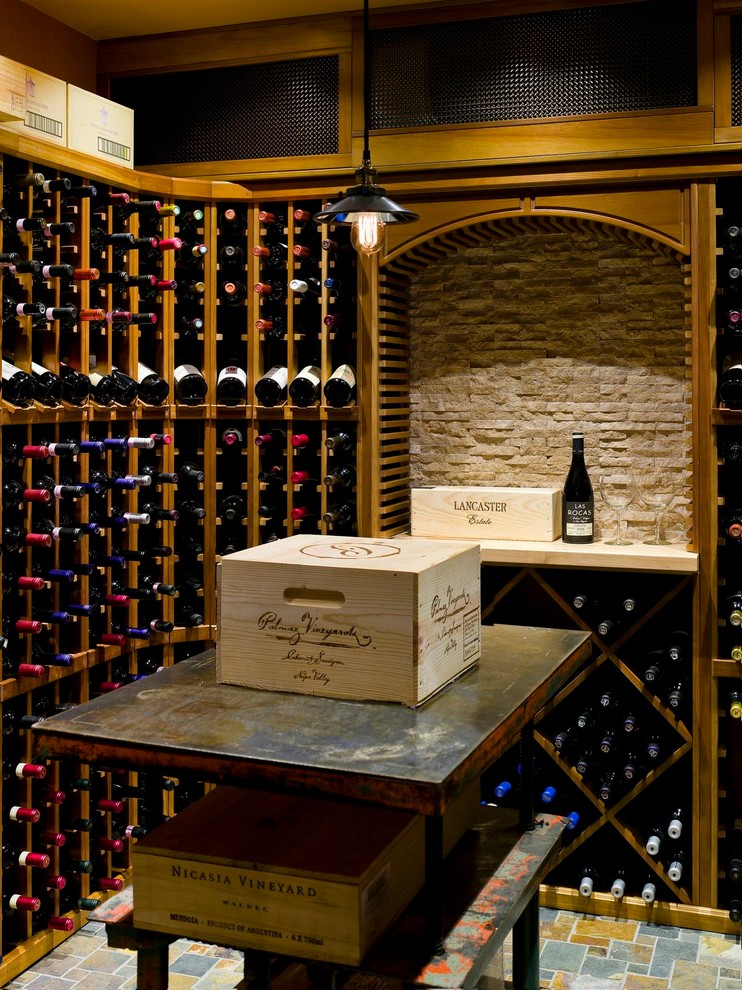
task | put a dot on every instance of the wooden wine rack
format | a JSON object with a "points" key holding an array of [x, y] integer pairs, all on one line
{"points": [[227, 337]]}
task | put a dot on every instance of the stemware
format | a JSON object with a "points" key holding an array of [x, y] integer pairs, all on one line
{"points": [[657, 490], [617, 489]]}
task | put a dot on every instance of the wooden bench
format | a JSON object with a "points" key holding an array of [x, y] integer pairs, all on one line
{"points": [[506, 901]]}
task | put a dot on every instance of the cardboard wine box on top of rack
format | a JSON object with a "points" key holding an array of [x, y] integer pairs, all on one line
{"points": [[348, 617], [311, 877]]}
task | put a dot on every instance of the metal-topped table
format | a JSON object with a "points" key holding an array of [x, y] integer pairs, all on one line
{"points": [[181, 719]]}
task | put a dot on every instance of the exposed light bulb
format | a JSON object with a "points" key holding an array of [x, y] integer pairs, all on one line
{"points": [[367, 233]]}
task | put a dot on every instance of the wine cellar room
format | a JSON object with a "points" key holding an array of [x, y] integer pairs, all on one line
{"points": [[200, 359]]}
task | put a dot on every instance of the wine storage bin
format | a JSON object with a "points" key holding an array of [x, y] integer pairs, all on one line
{"points": [[353, 618], [474, 513], [308, 877], [41, 104], [100, 127], [12, 90]]}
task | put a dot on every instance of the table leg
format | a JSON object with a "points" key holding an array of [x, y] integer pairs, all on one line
{"points": [[258, 970], [526, 947], [434, 881], [527, 809], [152, 963]]}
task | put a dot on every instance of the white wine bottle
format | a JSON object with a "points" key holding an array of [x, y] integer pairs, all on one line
{"points": [[578, 506]]}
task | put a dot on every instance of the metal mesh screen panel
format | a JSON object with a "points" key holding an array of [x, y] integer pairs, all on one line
{"points": [[271, 110], [638, 56], [736, 60]]}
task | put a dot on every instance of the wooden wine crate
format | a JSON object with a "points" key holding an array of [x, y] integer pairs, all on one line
{"points": [[100, 127], [12, 90], [474, 513], [42, 107], [314, 878], [353, 618]]}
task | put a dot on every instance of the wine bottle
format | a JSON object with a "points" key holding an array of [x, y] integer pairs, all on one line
{"points": [[730, 381], [191, 472], [18, 387], [340, 387], [232, 256], [191, 387], [675, 865], [152, 389], [275, 290], [125, 388], [733, 609], [49, 388], [734, 704], [232, 293], [75, 385], [186, 615], [655, 839], [343, 512], [271, 389], [588, 880], [271, 256], [342, 476], [231, 222], [274, 327], [231, 386], [232, 439], [578, 507], [304, 388], [618, 887], [340, 442], [232, 508]]}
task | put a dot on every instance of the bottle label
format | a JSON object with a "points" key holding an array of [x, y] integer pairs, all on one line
{"points": [[346, 373], [279, 374], [231, 371], [579, 518], [183, 370], [311, 373]]}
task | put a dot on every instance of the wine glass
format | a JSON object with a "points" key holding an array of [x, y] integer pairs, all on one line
{"points": [[617, 489], [657, 490]]}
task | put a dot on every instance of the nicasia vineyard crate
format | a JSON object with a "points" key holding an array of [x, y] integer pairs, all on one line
{"points": [[353, 618], [479, 513], [313, 878]]}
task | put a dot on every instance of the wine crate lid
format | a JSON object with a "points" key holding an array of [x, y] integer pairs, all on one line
{"points": [[284, 833], [354, 553]]}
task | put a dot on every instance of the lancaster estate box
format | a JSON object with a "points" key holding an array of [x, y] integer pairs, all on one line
{"points": [[479, 513], [348, 617], [308, 877]]}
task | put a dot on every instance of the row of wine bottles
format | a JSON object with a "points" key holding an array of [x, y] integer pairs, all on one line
{"points": [[22, 388]]}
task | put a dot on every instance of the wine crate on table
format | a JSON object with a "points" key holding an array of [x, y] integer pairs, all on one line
{"points": [[313, 878], [353, 618], [480, 513]]}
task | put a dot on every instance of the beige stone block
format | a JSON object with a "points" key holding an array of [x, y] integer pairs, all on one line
{"points": [[626, 931], [693, 976], [635, 981]]}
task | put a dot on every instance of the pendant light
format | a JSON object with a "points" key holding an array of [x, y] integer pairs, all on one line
{"points": [[366, 208]]}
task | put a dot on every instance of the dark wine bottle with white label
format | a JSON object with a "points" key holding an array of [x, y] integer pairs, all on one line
{"points": [[19, 388], [231, 386], [270, 390], [578, 506], [190, 385]]}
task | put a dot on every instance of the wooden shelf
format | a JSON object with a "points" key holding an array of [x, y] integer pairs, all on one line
{"points": [[673, 559]]}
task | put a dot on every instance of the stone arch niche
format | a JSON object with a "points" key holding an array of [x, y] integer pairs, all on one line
{"points": [[522, 328]]}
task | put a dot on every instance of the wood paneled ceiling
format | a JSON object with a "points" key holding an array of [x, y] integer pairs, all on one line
{"points": [[101, 19]]}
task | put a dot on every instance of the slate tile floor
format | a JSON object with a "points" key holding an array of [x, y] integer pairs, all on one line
{"points": [[578, 952]]}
